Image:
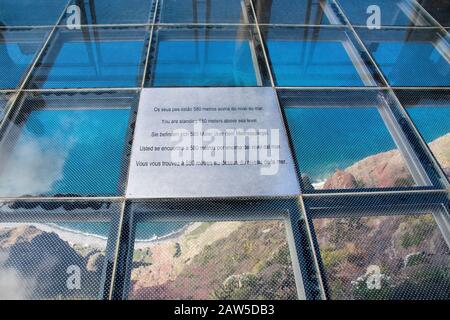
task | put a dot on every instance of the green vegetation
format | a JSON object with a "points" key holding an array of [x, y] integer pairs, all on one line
{"points": [[413, 258], [177, 253], [417, 229]]}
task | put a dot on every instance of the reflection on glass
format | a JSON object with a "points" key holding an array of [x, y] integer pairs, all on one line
{"points": [[439, 10], [37, 259], [392, 12], [384, 257], [212, 260], [17, 50], [31, 12], [64, 151], [335, 148], [309, 63], [201, 11], [410, 58], [3, 102], [92, 58], [315, 12], [115, 11], [434, 126], [204, 58], [315, 57]]}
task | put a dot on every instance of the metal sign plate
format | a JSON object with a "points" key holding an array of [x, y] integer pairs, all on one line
{"points": [[210, 142]]}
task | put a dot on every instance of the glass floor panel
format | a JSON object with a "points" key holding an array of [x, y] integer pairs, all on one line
{"points": [[411, 58], [4, 98], [115, 11], [301, 57], [25, 267], [384, 257], [439, 10], [392, 12], [17, 50], [335, 148], [223, 260], [64, 151], [108, 59], [211, 11], [44, 12], [315, 12], [430, 112], [202, 57], [44, 254]]}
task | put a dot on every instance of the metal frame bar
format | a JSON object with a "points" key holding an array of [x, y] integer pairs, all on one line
{"points": [[299, 215], [287, 210]]}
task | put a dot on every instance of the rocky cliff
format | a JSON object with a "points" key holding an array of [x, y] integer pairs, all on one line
{"points": [[36, 265], [386, 169], [409, 251], [250, 261]]}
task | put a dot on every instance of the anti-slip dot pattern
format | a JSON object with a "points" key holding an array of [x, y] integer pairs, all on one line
{"points": [[365, 112]]}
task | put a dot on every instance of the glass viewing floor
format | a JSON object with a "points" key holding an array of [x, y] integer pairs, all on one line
{"points": [[225, 149]]}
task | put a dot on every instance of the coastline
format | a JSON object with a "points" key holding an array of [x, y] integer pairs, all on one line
{"points": [[368, 169], [76, 237], [174, 235], [73, 237]]}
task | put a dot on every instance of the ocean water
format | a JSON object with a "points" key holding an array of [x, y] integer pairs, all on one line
{"points": [[292, 12], [118, 12], [211, 11], [204, 63], [96, 64], [326, 139], [155, 230], [14, 62], [67, 151], [312, 63], [391, 11], [411, 64], [432, 122], [144, 230], [13, 12]]}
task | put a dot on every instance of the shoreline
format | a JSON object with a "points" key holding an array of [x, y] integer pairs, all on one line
{"points": [[77, 237], [73, 237], [174, 235]]}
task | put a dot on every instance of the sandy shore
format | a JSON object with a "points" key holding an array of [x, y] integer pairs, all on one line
{"points": [[92, 240], [172, 237], [71, 236]]}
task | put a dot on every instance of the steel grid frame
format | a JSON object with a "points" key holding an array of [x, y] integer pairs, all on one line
{"points": [[301, 210]]}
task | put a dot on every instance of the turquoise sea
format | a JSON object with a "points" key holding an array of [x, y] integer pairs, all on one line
{"points": [[67, 151]]}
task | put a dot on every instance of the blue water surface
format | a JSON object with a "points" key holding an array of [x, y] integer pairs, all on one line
{"points": [[31, 12], [211, 11], [411, 63], [95, 64], [119, 11], [68, 152], [311, 63], [432, 122], [326, 139], [144, 230], [204, 63], [151, 230], [14, 61], [391, 12], [291, 12]]}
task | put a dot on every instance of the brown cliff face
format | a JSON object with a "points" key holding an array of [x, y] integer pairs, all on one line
{"points": [[341, 180], [409, 250], [386, 169], [250, 262]]}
